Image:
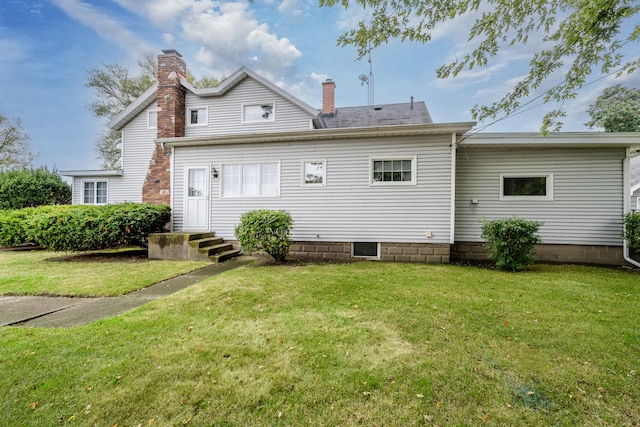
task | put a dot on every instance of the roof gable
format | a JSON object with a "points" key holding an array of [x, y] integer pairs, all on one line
{"points": [[151, 94]]}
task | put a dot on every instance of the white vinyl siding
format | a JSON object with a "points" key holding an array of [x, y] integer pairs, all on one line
{"points": [[587, 192], [348, 209], [225, 113]]}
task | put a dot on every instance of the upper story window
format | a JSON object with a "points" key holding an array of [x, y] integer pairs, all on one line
{"points": [[259, 113], [152, 119], [94, 193], [251, 180], [197, 116], [314, 173], [394, 171], [526, 187]]}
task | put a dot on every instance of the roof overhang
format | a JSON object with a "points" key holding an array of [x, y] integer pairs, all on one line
{"points": [[92, 173], [323, 134], [554, 140]]}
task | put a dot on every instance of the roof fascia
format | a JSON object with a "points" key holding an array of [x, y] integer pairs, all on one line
{"points": [[90, 173], [323, 134], [142, 102], [557, 139]]}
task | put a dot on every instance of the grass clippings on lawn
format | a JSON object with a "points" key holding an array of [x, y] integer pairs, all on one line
{"points": [[370, 343], [88, 274]]}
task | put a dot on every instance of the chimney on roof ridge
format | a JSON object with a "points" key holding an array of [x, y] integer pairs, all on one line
{"points": [[328, 97]]}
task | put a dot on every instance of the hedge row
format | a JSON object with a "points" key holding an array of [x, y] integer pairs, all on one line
{"points": [[32, 187], [83, 227]]}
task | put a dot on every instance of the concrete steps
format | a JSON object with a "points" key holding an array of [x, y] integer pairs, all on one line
{"points": [[203, 246]]}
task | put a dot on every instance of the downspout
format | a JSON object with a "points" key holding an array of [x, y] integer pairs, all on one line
{"points": [[452, 218], [626, 179]]}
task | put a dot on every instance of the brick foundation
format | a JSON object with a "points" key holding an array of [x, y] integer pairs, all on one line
{"points": [[576, 254], [394, 252]]}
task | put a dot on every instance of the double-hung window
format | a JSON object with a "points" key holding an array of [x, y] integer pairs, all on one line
{"points": [[526, 187], [94, 192], [251, 180], [393, 171]]}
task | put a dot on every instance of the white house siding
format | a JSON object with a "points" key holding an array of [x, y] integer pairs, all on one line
{"points": [[225, 112], [348, 208], [587, 192], [137, 150]]}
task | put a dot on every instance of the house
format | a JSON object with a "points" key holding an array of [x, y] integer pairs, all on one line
{"points": [[381, 182], [635, 184]]}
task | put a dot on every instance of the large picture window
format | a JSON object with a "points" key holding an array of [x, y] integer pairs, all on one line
{"points": [[400, 171], [526, 187], [251, 180], [94, 192]]}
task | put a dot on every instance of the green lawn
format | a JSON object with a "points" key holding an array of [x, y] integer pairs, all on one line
{"points": [[367, 344], [84, 274]]}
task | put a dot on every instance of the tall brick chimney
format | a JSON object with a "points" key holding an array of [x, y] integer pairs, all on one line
{"points": [[171, 124], [328, 97]]}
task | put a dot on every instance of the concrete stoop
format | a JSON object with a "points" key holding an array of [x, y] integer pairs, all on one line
{"points": [[185, 246]]}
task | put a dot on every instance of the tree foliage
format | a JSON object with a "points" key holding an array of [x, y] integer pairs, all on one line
{"points": [[32, 187], [616, 110], [15, 147], [115, 89], [578, 37]]}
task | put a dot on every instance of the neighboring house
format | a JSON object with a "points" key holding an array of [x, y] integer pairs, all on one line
{"points": [[381, 182]]}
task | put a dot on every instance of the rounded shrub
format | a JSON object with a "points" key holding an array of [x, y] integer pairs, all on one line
{"points": [[32, 187], [511, 242], [265, 230]]}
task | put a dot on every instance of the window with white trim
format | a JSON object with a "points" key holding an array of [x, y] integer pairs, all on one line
{"points": [[393, 171], [526, 187], [368, 250], [314, 173], [258, 113], [152, 119], [251, 180], [197, 116], [94, 192]]}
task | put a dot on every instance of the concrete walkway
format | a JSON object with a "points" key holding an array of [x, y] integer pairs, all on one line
{"points": [[66, 312]]}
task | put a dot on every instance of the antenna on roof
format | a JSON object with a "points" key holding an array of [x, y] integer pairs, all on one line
{"points": [[368, 79]]}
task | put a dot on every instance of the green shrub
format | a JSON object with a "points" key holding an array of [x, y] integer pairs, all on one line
{"points": [[632, 230], [511, 242], [265, 230], [32, 187], [83, 227]]}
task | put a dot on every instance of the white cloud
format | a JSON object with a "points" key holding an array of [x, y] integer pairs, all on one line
{"points": [[290, 8], [229, 33], [162, 13], [105, 26], [319, 77]]}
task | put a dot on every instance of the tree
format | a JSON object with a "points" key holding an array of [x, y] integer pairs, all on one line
{"points": [[115, 90], [15, 147], [616, 110], [578, 38], [27, 188]]}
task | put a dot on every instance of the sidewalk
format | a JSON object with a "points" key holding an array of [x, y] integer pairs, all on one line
{"points": [[66, 312]]}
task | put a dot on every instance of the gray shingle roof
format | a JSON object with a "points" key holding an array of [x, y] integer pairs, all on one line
{"points": [[379, 115]]}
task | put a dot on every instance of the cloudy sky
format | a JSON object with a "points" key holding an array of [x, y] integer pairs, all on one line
{"points": [[49, 45]]}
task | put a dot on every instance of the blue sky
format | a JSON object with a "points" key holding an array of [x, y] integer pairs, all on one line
{"points": [[48, 46]]}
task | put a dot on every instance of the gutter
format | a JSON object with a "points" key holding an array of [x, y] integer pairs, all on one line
{"points": [[452, 218], [626, 173]]}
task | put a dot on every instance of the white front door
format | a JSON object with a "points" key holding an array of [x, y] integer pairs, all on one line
{"points": [[197, 198]]}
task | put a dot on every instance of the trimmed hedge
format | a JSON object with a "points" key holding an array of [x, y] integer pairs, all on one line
{"points": [[32, 187], [83, 227]]}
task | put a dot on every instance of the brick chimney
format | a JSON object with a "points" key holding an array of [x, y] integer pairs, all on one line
{"points": [[328, 97], [171, 124]]}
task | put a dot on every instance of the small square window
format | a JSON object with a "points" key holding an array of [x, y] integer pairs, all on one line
{"points": [[259, 113], [314, 173], [526, 187], [368, 250], [197, 116]]}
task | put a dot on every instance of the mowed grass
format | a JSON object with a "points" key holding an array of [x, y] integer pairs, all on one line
{"points": [[364, 344], [108, 273]]}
